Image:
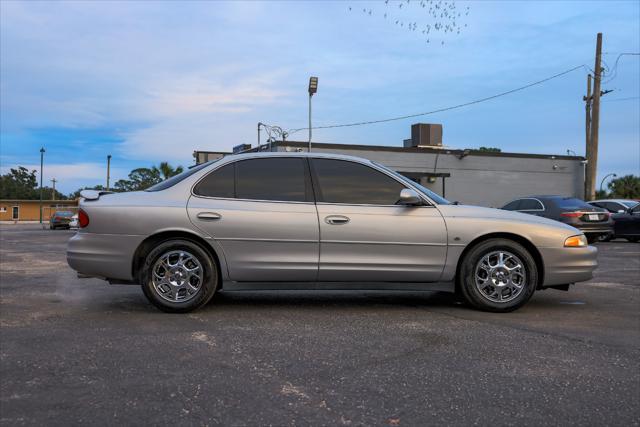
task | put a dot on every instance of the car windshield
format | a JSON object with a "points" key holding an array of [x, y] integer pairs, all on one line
{"points": [[177, 178], [572, 203], [433, 196], [64, 213]]}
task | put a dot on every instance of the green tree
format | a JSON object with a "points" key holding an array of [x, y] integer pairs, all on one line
{"points": [[625, 187], [19, 184], [167, 171], [143, 178], [490, 149]]}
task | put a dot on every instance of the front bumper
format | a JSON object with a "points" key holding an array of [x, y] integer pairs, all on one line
{"points": [[107, 256], [568, 265]]}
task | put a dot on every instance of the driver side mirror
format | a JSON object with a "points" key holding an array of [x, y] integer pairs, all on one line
{"points": [[409, 197]]}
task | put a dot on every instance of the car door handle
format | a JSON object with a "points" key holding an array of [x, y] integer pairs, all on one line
{"points": [[209, 216], [336, 219]]}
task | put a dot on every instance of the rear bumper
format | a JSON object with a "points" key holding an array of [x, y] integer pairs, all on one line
{"points": [[568, 265], [107, 256]]}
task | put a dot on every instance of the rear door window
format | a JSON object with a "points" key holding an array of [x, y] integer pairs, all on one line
{"points": [[530, 205], [278, 179], [282, 179], [512, 206], [219, 183]]}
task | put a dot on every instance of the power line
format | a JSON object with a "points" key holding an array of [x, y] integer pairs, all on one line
{"points": [[614, 71], [440, 110]]}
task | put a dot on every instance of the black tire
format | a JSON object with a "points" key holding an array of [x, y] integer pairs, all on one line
{"points": [[207, 287], [592, 238], [604, 237], [466, 276], [633, 239]]}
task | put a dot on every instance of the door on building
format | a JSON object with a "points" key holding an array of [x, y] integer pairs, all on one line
{"points": [[15, 213], [365, 235], [262, 213]]}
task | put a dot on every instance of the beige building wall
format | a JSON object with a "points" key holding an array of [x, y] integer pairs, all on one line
{"points": [[29, 210]]}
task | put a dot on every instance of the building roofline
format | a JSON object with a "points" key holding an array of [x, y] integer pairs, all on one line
{"points": [[455, 151]]}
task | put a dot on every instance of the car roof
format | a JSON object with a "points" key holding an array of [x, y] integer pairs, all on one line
{"points": [[614, 200], [233, 157]]}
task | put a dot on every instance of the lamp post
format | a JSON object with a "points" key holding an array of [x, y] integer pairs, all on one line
{"points": [[313, 88], [41, 166], [605, 177], [108, 170]]}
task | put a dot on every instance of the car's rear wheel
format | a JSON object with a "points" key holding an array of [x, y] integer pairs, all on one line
{"points": [[179, 276], [498, 275]]}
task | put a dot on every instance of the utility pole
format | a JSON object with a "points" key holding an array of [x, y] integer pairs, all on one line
{"points": [[259, 124], [53, 192], [108, 170], [587, 124], [592, 147], [41, 166]]}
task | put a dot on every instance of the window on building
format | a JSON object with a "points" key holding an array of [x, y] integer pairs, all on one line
{"points": [[348, 182], [3, 209]]}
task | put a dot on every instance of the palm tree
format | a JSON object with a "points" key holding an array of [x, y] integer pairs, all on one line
{"points": [[167, 171], [625, 187]]}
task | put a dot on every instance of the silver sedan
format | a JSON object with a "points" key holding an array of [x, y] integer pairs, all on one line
{"points": [[272, 221]]}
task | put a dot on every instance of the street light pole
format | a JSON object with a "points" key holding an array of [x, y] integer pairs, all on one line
{"points": [[605, 177], [41, 165], [313, 88], [108, 170]]}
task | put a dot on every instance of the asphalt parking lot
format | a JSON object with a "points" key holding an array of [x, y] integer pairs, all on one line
{"points": [[81, 351]]}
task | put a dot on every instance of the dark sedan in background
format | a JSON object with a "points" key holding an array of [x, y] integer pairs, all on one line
{"points": [[60, 219], [596, 223], [626, 218]]}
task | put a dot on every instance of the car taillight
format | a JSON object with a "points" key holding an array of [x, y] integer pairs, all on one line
{"points": [[571, 214], [56, 218], [83, 218]]}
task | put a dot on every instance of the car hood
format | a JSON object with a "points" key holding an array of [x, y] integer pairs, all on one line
{"points": [[470, 211]]}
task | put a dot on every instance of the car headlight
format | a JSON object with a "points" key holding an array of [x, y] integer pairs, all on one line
{"points": [[576, 241]]}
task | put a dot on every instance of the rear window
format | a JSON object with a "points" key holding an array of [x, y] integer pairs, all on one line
{"points": [[64, 213], [571, 203], [177, 178]]}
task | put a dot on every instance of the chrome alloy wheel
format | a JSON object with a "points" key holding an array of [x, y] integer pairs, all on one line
{"points": [[500, 276], [177, 276]]}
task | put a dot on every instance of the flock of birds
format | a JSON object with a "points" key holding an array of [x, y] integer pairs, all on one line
{"points": [[444, 17]]}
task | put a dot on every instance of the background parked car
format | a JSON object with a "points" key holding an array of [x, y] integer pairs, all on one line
{"points": [[614, 205], [626, 222], [593, 221], [60, 219]]}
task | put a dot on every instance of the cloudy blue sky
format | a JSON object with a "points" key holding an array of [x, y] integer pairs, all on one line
{"points": [[152, 81]]}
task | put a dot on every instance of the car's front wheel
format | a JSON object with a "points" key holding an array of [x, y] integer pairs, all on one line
{"points": [[498, 275], [179, 276]]}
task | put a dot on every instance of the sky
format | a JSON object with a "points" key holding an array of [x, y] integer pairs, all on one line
{"points": [[151, 81]]}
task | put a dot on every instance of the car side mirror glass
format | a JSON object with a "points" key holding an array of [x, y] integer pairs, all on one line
{"points": [[409, 197]]}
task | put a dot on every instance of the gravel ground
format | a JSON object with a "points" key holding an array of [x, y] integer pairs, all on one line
{"points": [[83, 352]]}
